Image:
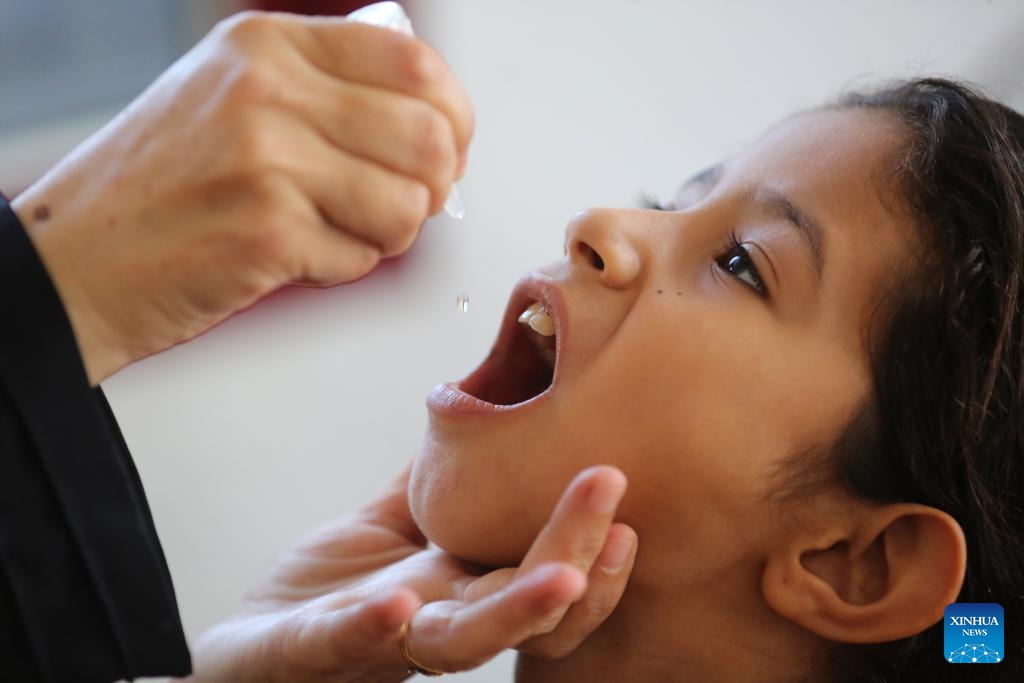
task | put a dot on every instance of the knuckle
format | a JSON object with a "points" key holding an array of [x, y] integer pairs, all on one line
{"points": [[269, 241], [251, 83], [411, 212], [253, 151], [586, 549], [470, 115], [420, 66], [268, 215], [435, 144], [262, 194], [395, 245], [464, 115], [352, 102], [466, 125], [245, 26], [364, 263], [598, 606]]}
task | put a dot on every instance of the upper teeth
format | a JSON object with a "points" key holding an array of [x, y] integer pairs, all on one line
{"points": [[538, 319]]}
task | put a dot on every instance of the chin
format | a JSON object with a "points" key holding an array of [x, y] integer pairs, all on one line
{"points": [[476, 521], [481, 488]]}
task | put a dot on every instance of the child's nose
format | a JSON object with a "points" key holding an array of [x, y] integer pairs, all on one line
{"points": [[599, 240]]}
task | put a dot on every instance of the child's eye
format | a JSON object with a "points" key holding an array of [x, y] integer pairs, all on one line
{"points": [[737, 262]]}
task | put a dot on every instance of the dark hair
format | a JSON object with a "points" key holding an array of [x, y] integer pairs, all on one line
{"points": [[946, 420]]}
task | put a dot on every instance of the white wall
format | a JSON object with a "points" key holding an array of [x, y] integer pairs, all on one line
{"points": [[301, 408]]}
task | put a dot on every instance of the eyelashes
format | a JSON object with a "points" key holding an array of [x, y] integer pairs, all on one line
{"points": [[737, 261], [733, 257]]}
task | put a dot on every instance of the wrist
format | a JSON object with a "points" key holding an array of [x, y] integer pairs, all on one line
{"points": [[100, 353]]}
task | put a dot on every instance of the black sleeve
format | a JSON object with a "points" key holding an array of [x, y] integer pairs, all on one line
{"points": [[85, 593]]}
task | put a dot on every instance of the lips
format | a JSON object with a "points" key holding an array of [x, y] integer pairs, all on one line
{"points": [[522, 367]]}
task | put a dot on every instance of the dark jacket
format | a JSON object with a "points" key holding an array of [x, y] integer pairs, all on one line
{"points": [[85, 594]]}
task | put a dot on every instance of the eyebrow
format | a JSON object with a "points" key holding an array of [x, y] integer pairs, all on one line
{"points": [[809, 228], [775, 203]]}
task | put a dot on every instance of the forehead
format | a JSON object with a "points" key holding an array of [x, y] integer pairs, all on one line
{"points": [[826, 150], [839, 161], [836, 162], [841, 155], [837, 165]]}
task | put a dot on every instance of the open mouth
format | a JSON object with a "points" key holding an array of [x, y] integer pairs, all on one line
{"points": [[523, 363]]}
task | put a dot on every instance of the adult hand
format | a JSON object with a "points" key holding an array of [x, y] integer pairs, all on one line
{"points": [[332, 608], [280, 149]]}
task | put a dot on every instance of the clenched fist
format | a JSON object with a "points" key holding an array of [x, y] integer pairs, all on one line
{"points": [[281, 149]]}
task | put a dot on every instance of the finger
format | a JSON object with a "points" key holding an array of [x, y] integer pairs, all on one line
{"points": [[312, 251], [385, 59], [578, 526], [363, 632], [605, 585], [361, 198], [402, 133], [453, 636], [331, 257]]}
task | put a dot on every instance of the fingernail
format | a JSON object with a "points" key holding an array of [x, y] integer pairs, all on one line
{"points": [[613, 557], [605, 495]]}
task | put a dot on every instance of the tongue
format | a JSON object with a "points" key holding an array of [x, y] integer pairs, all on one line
{"points": [[511, 386]]}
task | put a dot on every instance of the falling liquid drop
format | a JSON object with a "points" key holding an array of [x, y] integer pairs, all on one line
{"points": [[462, 302]]}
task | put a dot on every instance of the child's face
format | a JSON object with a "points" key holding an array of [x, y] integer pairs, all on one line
{"points": [[673, 368]]}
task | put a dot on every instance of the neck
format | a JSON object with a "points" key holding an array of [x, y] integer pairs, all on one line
{"points": [[687, 633]]}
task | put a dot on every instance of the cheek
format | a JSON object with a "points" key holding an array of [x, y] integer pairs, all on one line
{"points": [[692, 426], [677, 408]]}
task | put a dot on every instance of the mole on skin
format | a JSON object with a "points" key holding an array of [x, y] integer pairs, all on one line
{"points": [[41, 213]]}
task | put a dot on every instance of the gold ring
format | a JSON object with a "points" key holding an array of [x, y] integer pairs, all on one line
{"points": [[414, 666]]}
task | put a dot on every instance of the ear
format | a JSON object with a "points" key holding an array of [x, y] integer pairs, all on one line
{"points": [[870, 574]]}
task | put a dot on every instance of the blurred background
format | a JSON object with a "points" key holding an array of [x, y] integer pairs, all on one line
{"points": [[298, 410]]}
